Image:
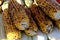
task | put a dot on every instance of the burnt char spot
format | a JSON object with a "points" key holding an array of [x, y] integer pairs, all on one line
{"points": [[19, 21], [51, 25], [38, 17], [59, 20], [15, 36], [22, 24], [27, 28], [31, 22], [28, 33], [23, 17], [35, 31], [48, 31], [7, 18], [30, 18], [46, 24]]}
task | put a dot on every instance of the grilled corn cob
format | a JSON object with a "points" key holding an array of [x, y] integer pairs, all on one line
{"points": [[32, 30], [11, 32], [57, 24], [50, 9], [18, 14], [45, 25]]}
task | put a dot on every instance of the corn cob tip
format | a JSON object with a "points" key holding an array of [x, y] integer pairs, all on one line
{"points": [[57, 24], [24, 24], [49, 28], [57, 15], [30, 32]]}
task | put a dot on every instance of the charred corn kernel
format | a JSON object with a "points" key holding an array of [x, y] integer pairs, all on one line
{"points": [[10, 31], [45, 25], [50, 9], [57, 24], [18, 14], [32, 30]]}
